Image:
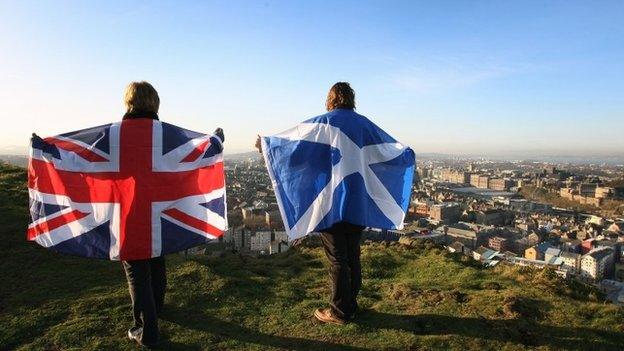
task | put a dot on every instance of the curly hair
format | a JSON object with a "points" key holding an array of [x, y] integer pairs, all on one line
{"points": [[340, 96]]}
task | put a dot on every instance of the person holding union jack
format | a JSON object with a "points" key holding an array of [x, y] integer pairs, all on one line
{"points": [[147, 278], [160, 190]]}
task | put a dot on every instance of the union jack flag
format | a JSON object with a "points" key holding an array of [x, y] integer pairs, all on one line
{"points": [[130, 190]]}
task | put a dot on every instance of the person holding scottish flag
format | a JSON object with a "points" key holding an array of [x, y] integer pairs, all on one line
{"points": [[336, 174]]}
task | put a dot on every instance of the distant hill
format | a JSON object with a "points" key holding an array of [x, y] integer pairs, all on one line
{"points": [[242, 156], [413, 298], [21, 150], [15, 160], [529, 157]]}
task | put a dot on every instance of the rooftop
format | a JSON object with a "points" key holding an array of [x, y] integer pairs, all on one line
{"points": [[600, 253], [573, 255], [552, 251]]}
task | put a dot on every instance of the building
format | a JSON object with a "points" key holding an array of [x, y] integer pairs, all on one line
{"points": [[447, 212], [533, 239], [260, 241], [498, 243], [583, 193], [572, 245], [594, 201], [613, 244], [483, 254], [456, 246], [500, 184], [597, 264], [604, 192], [567, 193], [422, 208], [616, 227], [278, 247], [587, 245], [465, 235], [228, 236], [423, 173], [261, 204], [587, 189], [527, 262], [479, 181], [491, 217], [279, 242], [550, 169], [269, 241], [454, 176], [537, 252], [474, 180], [526, 226], [273, 219], [241, 238], [253, 216], [520, 245], [570, 261], [551, 253]]}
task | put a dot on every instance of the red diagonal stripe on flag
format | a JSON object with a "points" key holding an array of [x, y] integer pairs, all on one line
{"points": [[77, 149], [197, 152], [193, 222], [54, 223]]}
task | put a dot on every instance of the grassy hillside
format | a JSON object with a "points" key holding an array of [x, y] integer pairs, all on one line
{"points": [[413, 298]]}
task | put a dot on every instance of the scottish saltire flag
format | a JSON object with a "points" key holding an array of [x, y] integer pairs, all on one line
{"points": [[130, 190], [339, 167]]}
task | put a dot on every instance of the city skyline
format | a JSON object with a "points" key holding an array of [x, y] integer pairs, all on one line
{"points": [[480, 78]]}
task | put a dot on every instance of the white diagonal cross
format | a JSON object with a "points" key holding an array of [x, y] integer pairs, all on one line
{"points": [[354, 160]]}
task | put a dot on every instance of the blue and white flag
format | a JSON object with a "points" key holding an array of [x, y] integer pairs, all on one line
{"points": [[339, 167]]}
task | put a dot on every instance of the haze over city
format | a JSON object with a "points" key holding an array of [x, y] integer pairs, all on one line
{"points": [[488, 79]]}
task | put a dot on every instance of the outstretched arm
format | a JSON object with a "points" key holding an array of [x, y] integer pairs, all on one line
{"points": [[219, 132], [259, 144], [37, 142]]}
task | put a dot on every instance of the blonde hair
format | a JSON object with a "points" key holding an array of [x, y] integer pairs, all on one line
{"points": [[141, 96]]}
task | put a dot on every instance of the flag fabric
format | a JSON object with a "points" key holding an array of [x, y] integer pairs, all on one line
{"points": [[130, 190], [338, 167]]}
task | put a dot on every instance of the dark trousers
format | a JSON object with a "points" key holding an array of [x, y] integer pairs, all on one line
{"points": [[342, 247], [147, 281]]}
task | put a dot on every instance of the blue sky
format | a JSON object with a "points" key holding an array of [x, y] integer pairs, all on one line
{"points": [[461, 77]]}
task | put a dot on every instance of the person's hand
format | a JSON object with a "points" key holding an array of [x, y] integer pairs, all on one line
{"points": [[259, 144], [37, 142], [219, 132], [35, 139]]}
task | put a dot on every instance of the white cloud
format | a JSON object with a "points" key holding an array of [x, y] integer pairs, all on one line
{"points": [[440, 73]]}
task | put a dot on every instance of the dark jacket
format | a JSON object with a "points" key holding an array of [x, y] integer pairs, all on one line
{"points": [[140, 114]]}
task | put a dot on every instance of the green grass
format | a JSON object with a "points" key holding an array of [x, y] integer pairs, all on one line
{"points": [[413, 298]]}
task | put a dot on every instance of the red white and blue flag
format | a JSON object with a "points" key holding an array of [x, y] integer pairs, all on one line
{"points": [[130, 190]]}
